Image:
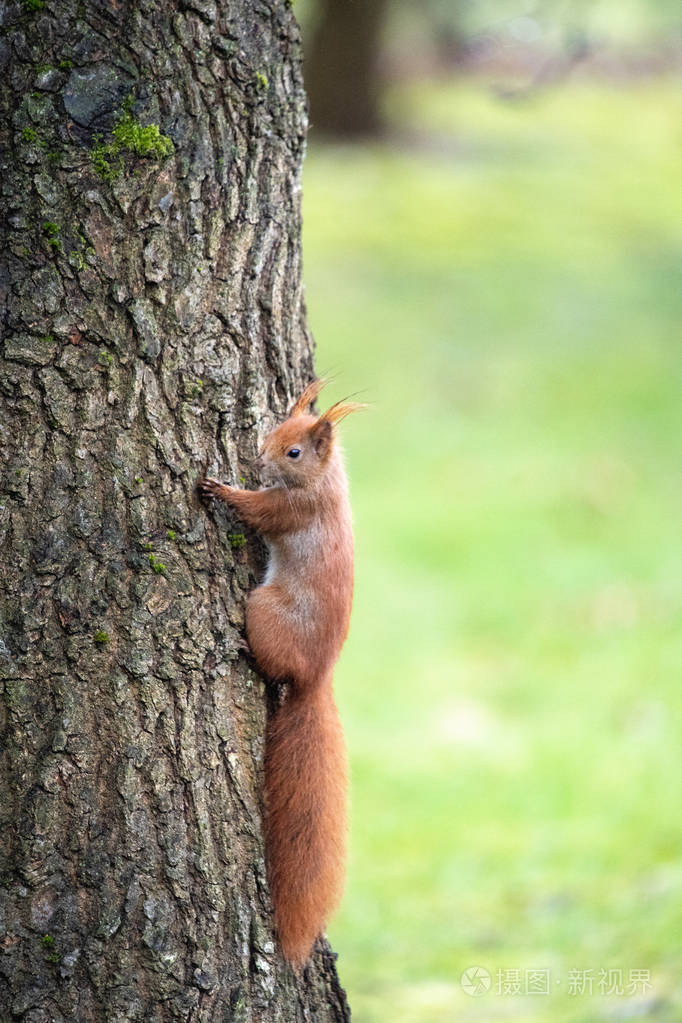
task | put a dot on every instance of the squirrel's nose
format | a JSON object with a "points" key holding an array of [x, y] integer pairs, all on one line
{"points": [[259, 464]]}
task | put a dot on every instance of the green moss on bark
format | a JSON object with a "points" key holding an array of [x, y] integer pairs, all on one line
{"points": [[132, 137]]}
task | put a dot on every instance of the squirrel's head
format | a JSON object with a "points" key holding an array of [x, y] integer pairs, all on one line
{"points": [[297, 453]]}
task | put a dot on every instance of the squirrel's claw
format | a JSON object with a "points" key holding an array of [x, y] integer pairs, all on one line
{"points": [[210, 487]]}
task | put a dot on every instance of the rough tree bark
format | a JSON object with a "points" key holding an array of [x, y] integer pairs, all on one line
{"points": [[153, 325]]}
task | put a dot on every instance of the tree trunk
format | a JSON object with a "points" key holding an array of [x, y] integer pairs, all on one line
{"points": [[342, 68], [153, 325]]}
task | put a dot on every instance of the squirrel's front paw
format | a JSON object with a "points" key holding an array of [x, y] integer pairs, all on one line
{"points": [[212, 488]]}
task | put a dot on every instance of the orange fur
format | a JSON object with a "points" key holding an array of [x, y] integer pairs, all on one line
{"points": [[296, 622], [306, 780], [342, 409], [302, 404]]}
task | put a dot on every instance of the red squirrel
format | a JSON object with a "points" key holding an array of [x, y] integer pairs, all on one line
{"points": [[296, 623]]}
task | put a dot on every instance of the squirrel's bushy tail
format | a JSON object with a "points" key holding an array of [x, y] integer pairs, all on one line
{"points": [[305, 789]]}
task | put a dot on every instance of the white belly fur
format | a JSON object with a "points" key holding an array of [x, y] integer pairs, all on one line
{"points": [[271, 570], [289, 565]]}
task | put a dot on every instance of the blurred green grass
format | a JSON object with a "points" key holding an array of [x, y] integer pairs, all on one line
{"points": [[504, 284]]}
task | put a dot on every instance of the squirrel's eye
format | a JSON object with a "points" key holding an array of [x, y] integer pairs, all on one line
{"points": [[294, 453]]}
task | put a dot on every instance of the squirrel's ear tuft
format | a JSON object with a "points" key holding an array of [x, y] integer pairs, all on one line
{"points": [[307, 398], [342, 409], [321, 435]]}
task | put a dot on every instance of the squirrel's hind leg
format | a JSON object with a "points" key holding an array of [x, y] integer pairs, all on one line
{"points": [[275, 641]]}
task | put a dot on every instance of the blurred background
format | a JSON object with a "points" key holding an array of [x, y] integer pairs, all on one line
{"points": [[493, 245]]}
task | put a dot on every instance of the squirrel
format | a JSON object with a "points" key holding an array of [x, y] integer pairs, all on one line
{"points": [[296, 623]]}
